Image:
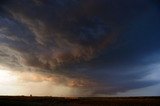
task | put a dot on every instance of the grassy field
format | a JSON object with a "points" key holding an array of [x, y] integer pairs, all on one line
{"points": [[88, 101]]}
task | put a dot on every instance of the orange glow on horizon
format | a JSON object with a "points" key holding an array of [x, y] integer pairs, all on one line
{"points": [[37, 84]]}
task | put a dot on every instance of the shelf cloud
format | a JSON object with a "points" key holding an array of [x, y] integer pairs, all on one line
{"points": [[102, 47]]}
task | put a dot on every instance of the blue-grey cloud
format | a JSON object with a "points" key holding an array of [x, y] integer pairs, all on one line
{"points": [[111, 43]]}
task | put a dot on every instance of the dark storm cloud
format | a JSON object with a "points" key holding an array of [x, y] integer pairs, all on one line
{"points": [[106, 41]]}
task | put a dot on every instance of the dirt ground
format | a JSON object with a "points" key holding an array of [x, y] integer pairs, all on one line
{"points": [[86, 101]]}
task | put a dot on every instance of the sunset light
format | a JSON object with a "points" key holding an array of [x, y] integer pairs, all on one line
{"points": [[7, 77]]}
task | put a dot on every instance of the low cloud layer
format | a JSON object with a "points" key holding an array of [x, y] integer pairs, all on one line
{"points": [[103, 46]]}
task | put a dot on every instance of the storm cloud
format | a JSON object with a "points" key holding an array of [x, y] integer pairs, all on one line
{"points": [[106, 46]]}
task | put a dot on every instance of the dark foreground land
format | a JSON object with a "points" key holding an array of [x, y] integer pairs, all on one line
{"points": [[90, 101]]}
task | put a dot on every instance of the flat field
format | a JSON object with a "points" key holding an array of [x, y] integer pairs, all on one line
{"points": [[80, 101]]}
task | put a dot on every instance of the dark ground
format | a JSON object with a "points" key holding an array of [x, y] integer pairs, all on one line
{"points": [[90, 101]]}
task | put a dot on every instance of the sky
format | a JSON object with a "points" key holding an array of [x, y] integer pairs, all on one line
{"points": [[80, 47]]}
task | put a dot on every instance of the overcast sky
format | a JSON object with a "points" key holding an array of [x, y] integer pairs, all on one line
{"points": [[80, 47]]}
